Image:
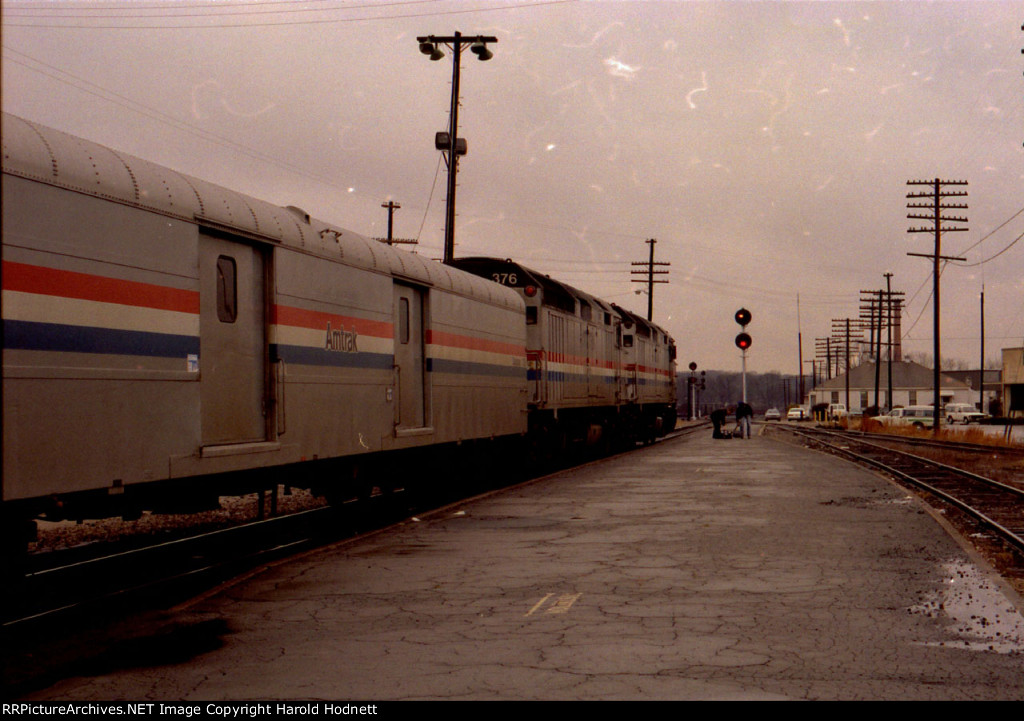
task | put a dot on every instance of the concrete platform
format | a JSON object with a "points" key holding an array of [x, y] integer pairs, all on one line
{"points": [[695, 569]]}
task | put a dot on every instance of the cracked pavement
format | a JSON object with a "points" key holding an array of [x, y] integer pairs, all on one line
{"points": [[694, 569]]}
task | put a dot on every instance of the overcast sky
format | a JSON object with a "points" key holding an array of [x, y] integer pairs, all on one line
{"points": [[766, 146]]}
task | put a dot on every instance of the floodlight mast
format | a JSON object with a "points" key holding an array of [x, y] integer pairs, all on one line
{"points": [[456, 42]]}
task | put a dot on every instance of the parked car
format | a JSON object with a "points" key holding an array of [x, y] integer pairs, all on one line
{"points": [[797, 414], [836, 412], [917, 416], [963, 413], [772, 414]]}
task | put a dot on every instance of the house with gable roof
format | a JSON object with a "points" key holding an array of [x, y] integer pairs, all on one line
{"points": [[912, 385]]}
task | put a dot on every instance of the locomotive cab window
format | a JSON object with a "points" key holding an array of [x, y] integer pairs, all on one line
{"points": [[531, 315], [227, 290]]}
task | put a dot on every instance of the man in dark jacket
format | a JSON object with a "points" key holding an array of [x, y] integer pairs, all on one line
{"points": [[743, 415], [718, 420]]}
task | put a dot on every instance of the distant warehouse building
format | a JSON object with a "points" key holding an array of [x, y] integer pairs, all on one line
{"points": [[912, 385], [1013, 382]]}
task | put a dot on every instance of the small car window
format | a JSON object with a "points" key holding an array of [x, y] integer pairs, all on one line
{"points": [[403, 320], [227, 290]]}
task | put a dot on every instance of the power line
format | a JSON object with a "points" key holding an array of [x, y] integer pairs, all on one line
{"points": [[216, 9], [694, 279], [991, 257], [993, 232], [282, 23], [430, 199], [154, 114]]}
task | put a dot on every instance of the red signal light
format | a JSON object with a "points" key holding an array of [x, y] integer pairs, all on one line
{"points": [[743, 316], [743, 341]]}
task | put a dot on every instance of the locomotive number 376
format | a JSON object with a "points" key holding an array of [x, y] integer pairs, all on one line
{"points": [[505, 278]]}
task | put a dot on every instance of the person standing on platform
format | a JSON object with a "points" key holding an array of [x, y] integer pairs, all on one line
{"points": [[743, 415]]}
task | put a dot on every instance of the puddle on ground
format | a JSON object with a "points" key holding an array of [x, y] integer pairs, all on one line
{"points": [[978, 613]]}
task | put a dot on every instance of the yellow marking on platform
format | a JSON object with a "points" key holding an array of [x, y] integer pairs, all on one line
{"points": [[561, 605], [564, 603], [538, 604]]}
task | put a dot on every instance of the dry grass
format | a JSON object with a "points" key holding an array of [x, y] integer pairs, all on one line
{"points": [[968, 435]]}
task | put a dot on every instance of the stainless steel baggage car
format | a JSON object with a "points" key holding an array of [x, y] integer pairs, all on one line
{"points": [[165, 337]]}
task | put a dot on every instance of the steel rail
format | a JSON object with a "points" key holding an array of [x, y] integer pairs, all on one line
{"points": [[928, 442], [914, 464], [60, 587]]}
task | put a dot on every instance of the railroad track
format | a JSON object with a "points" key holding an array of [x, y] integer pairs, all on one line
{"points": [[946, 445], [688, 430], [61, 619], [116, 580], [996, 506]]}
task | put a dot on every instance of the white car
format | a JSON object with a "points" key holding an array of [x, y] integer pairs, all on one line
{"points": [[917, 416], [796, 414], [963, 413], [772, 414]]}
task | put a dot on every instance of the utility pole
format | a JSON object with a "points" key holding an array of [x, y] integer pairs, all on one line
{"points": [[888, 324], [849, 408], [981, 368], [814, 375], [847, 337], [650, 273], [876, 312], [871, 309], [799, 351], [392, 206], [823, 351], [878, 353], [934, 197], [878, 349]]}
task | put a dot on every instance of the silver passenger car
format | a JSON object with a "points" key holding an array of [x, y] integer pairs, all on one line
{"points": [[163, 334]]}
